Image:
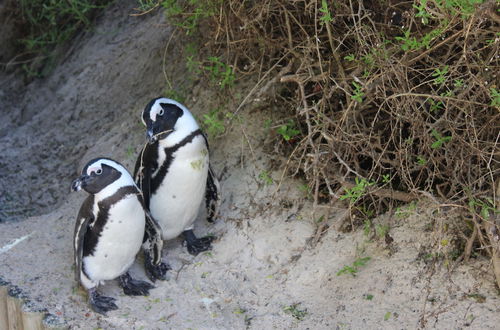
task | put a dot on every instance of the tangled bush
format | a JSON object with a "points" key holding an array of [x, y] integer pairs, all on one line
{"points": [[392, 99]]}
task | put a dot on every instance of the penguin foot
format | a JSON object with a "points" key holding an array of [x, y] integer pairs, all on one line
{"points": [[197, 245], [133, 287], [155, 272], [101, 304]]}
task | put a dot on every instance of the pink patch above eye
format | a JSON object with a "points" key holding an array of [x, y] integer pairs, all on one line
{"points": [[92, 169]]}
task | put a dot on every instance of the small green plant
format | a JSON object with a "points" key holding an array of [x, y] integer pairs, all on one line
{"points": [[463, 7], [448, 93], [320, 219], [214, 125], [440, 75], [492, 41], [350, 58], [422, 11], [369, 59], [426, 40], [440, 140], [381, 230], [146, 5], [387, 316], [266, 178], [368, 296], [193, 65], [357, 93], [163, 319], [478, 297], [495, 97], [294, 310], [354, 268], [421, 161], [306, 190], [458, 83], [486, 207], [51, 23], [240, 311], [409, 42], [326, 17], [366, 211], [355, 193], [367, 227], [288, 131], [405, 212], [435, 106], [220, 72], [188, 14]]}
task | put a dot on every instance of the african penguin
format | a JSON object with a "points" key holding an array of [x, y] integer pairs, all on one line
{"points": [[174, 173], [109, 231]]}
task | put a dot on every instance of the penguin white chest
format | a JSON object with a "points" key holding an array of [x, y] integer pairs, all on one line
{"points": [[119, 242], [177, 201]]}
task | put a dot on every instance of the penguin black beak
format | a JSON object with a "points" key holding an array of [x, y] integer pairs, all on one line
{"points": [[78, 184], [150, 136]]}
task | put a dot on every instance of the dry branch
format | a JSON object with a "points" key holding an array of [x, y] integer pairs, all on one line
{"points": [[411, 109]]}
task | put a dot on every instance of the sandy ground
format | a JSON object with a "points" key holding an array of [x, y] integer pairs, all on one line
{"points": [[263, 271]]}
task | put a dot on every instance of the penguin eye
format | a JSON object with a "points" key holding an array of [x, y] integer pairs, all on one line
{"points": [[98, 172], [161, 112]]}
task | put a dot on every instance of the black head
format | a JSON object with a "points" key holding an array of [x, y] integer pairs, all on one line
{"points": [[160, 116], [100, 173]]}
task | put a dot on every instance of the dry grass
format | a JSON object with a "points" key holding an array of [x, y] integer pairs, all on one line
{"points": [[402, 96]]}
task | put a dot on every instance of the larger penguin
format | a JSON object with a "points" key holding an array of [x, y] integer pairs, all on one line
{"points": [[174, 173], [109, 231]]}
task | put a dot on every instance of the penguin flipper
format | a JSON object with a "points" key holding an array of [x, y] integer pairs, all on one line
{"points": [[84, 219], [212, 190], [152, 247], [212, 195], [142, 172], [138, 164], [152, 236]]}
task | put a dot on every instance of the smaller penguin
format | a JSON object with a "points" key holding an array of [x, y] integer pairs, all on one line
{"points": [[109, 231]]}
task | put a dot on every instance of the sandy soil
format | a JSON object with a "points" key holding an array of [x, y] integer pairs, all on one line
{"points": [[263, 261]]}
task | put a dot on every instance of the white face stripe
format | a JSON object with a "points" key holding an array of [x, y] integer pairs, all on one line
{"points": [[97, 165], [155, 109], [93, 169], [185, 125], [124, 180]]}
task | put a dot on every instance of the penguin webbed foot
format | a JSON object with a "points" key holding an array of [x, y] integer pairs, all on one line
{"points": [[133, 287], [101, 304], [155, 272], [196, 245]]}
